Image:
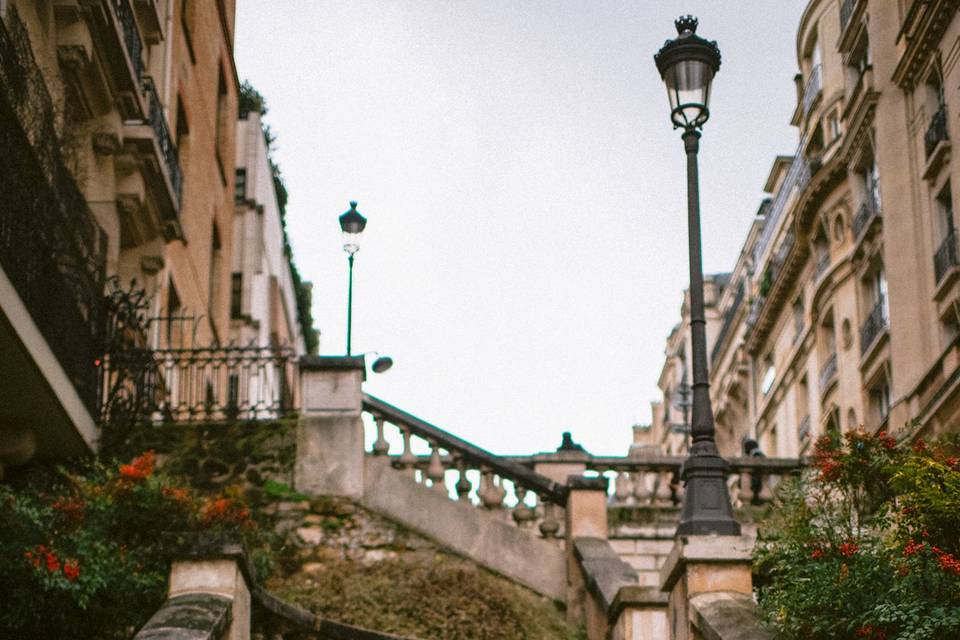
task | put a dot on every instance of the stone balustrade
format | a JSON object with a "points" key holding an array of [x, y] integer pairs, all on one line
{"points": [[468, 473]]}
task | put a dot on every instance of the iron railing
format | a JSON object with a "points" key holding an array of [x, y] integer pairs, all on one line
{"points": [[823, 263], [803, 431], [812, 91], [158, 122], [797, 176], [131, 36], [946, 256], [828, 372], [846, 10], [865, 214], [728, 317], [937, 131], [51, 247], [873, 325]]}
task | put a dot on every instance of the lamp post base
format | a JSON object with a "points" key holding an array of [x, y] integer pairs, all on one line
{"points": [[706, 501]]}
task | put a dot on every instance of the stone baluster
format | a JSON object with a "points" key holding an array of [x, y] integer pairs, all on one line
{"points": [[663, 494], [407, 461], [676, 488], [623, 487], [380, 446], [522, 513], [734, 486], [643, 486], [463, 486], [493, 494], [550, 525], [435, 470]]}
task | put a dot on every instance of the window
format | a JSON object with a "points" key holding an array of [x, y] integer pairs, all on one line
{"points": [[173, 329], [213, 282], [833, 126], [871, 183], [878, 291], [880, 399], [769, 375], [186, 22], [240, 185], [798, 317], [236, 295], [945, 211]]}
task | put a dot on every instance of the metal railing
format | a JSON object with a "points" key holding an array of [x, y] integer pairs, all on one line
{"points": [[158, 122], [873, 325], [51, 247], [797, 176], [803, 431], [823, 263], [846, 10], [131, 36], [812, 91], [946, 256], [828, 372], [728, 317], [865, 214], [937, 131]]}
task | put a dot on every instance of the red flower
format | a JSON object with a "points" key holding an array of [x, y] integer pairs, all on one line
{"points": [[33, 558], [139, 468], [920, 445], [952, 461], [913, 547], [177, 494], [889, 443], [847, 549], [73, 508], [53, 564], [71, 570], [816, 554]]}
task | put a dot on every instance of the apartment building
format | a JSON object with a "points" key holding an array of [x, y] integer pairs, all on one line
{"points": [[117, 124], [842, 309]]}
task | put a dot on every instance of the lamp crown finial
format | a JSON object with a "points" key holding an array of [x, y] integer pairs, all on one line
{"points": [[686, 24], [353, 204]]}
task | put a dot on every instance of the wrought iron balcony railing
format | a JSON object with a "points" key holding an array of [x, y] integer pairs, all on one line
{"points": [[158, 122], [812, 91], [728, 317], [846, 10], [873, 325], [131, 36], [797, 176], [828, 372], [865, 214], [937, 131], [946, 256], [51, 247]]}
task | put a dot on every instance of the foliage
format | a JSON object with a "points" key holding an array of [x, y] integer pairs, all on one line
{"points": [[81, 551], [865, 545], [250, 100], [438, 597]]}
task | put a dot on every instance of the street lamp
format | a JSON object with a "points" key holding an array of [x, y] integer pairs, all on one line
{"points": [[687, 65], [352, 225]]}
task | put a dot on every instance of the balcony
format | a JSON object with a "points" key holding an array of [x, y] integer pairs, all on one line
{"points": [[867, 213], [728, 318], [813, 89], [823, 263], [803, 431], [828, 373], [945, 259], [846, 10], [872, 327], [936, 132], [151, 145]]}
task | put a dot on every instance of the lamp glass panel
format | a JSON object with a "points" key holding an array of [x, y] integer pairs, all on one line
{"points": [[688, 86], [351, 242]]}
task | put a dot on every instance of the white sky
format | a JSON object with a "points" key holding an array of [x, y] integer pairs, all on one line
{"points": [[526, 246]]}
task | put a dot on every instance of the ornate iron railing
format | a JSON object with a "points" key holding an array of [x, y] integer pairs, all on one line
{"points": [[828, 372], [728, 317], [797, 176], [865, 214], [946, 256], [846, 10], [812, 91], [873, 325], [131, 36], [51, 247], [158, 122], [937, 131]]}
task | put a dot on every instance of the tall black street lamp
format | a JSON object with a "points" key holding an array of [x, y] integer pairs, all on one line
{"points": [[352, 225], [687, 65]]}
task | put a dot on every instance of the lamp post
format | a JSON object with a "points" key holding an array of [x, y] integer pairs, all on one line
{"points": [[352, 225], [687, 65]]}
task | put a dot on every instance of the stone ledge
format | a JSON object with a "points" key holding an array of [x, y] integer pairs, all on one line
{"points": [[603, 570], [727, 616], [584, 483], [326, 363], [192, 616], [637, 597], [712, 549]]}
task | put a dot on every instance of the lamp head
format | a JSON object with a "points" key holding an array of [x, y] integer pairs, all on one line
{"points": [[687, 65], [352, 225]]}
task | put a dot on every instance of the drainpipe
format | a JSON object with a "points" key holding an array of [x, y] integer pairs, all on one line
{"points": [[168, 57]]}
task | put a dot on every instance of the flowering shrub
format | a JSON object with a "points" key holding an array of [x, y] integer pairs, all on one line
{"points": [[80, 551], [865, 544]]}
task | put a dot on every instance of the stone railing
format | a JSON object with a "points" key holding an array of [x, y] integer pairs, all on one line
{"points": [[533, 498]]}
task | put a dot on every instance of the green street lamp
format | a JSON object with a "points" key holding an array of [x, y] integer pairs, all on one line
{"points": [[352, 225], [687, 65]]}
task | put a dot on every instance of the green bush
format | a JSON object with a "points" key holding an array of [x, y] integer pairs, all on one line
{"points": [[865, 544], [81, 553]]}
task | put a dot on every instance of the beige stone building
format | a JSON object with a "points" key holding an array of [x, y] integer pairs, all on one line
{"points": [[117, 124], [842, 309]]}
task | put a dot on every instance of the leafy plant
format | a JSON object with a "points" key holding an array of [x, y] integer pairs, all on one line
{"points": [[864, 545]]}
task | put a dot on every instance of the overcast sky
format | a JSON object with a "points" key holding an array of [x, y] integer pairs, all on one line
{"points": [[526, 246]]}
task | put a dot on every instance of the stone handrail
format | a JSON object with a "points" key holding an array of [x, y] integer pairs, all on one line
{"points": [[727, 616], [462, 456]]}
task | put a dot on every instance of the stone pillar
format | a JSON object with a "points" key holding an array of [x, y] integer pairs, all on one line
{"points": [[639, 613], [330, 431], [214, 577], [586, 516], [699, 565]]}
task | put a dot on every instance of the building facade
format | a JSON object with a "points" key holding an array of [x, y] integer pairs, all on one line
{"points": [[842, 309]]}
